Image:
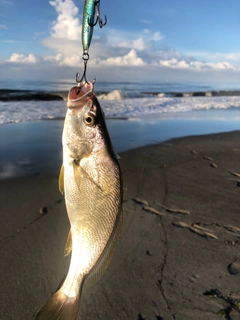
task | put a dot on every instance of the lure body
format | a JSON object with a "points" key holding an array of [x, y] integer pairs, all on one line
{"points": [[88, 24], [91, 7]]}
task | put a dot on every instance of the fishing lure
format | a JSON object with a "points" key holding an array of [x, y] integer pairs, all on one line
{"points": [[91, 7]]}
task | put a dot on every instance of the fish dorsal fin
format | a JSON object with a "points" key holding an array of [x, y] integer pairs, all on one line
{"points": [[68, 245], [77, 174], [61, 180], [103, 262]]}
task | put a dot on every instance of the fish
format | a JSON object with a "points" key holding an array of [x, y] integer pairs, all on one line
{"points": [[91, 181]]}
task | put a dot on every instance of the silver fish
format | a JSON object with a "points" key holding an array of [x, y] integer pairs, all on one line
{"points": [[91, 181]]}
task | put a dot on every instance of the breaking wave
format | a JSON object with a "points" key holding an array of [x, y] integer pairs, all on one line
{"points": [[119, 107]]}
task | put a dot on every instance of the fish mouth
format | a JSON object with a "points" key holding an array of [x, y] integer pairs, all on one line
{"points": [[79, 95]]}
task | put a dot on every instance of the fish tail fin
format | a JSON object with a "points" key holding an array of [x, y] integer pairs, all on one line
{"points": [[59, 307]]}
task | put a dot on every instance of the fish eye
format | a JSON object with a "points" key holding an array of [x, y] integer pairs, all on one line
{"points": [[89, 120]]}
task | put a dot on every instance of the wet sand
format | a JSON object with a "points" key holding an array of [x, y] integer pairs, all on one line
{"points": [[35, 147], [179, 253]]}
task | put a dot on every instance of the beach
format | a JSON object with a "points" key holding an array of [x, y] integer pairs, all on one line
{"points": [[178, 256]]}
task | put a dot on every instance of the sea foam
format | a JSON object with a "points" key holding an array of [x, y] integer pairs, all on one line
{"points": [[119, 95], [116, 107]]}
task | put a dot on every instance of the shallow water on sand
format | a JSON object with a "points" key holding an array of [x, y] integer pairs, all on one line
{"points": [[34, 148]]}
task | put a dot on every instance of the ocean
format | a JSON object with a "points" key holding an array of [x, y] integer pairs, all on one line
{"points": [[27, 100], [137, 114]]}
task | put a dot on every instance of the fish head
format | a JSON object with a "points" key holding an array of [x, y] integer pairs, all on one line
{"points": [[85, 130]]}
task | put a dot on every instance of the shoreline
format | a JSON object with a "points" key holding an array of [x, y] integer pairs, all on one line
{"points": [[178, 257], [8, 95], [35, 147]]}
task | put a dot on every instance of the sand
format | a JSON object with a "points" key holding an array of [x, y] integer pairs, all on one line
{"points": [[178, 256]]}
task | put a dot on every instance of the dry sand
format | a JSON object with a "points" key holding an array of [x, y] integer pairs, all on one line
{"points": [[180, 260]]}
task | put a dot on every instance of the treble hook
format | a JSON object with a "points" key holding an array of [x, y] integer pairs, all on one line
{"points": [[90, 8], [85, 57], [98, 20]]}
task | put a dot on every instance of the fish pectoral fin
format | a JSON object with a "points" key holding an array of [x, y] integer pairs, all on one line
{"points": [[87, 175], [68, 245], [61, 179], [103, 262], [77, 174]]}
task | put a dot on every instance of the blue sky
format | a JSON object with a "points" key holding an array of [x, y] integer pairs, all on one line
{"points": [[144, 40]]}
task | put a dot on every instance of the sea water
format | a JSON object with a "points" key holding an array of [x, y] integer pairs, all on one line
{"points": [[136, 115], [122, 100]]}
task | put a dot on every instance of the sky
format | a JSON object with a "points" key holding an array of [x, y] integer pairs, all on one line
{"points": [[143, 40]]}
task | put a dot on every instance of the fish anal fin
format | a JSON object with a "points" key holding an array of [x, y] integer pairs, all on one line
{"points": [[61, 180], [68, 245], [59, 307], [103, 262], [77, 174]]}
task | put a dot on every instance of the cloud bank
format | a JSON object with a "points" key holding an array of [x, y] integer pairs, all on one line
{"points": [[115, 53]]}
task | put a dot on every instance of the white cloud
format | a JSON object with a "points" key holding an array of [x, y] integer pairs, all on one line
{"points": [[140, 43], [195, 65], [65, 35], [146, 31], [65, 40], [67, 25], [220, 65], [113, 48], [137, 44], [11, 41], [132, 40], [183, 64], [64, 46], [146, 21], [21, 58], [174, 63], [157, 36], [3, 27], [72, 61], [57, 58], [215, 56], [130, 59], [124, 49]]}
